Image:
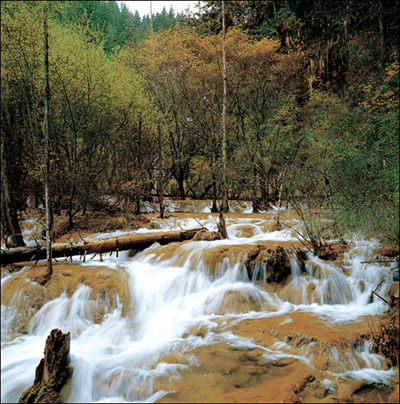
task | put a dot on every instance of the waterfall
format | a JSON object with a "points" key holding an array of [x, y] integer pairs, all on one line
{"points": [[186, 301]]}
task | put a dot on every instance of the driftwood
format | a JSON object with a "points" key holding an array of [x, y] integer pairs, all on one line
{"points": [[121, 243], [52, 372]]}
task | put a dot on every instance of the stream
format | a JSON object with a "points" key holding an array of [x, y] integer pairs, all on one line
{"points": [[191, 325]]}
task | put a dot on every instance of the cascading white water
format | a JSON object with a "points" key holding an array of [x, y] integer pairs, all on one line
{"points": [[117, 360]]}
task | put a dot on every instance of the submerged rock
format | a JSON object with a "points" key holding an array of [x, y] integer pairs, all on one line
{"points": [[235, 301]]}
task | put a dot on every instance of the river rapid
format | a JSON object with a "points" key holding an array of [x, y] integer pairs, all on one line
{"points": [[187, 322]]}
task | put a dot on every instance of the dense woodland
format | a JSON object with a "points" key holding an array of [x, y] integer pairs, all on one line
{"points": [[135, 109]]}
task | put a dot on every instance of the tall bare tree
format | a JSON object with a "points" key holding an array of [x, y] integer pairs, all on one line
{"points": [[47, 143], [160, 178], [151, 18], [225, 206]]}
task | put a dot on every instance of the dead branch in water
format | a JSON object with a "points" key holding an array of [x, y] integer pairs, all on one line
{"points": [[380, 297], [200, 224]]}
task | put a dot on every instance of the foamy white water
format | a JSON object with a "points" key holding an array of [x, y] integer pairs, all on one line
{"points": [[118, 359]]}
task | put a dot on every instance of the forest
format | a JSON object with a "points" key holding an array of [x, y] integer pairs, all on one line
{"points": [[135, 109]]}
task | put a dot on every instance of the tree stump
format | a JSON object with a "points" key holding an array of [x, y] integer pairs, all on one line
{"points": [[52, 372], [222, 226]]}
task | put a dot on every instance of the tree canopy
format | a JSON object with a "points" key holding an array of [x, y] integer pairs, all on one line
{"points": [[312, 107]]}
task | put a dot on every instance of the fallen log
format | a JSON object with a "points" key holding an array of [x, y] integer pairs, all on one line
{"points": [[120, 243]]}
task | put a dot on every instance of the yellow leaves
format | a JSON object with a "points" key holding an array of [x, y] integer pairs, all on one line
{"points": [[240, 46], [392, 71], [20, 33], [384, 97], [170, 52], [176, 53], [286, 112]]}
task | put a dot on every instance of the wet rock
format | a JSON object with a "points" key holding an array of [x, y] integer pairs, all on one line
{"points": [[284, 362], [52, 372], [273, 261], [224, 374], [279, 266], [326, 253], [235, 301], [331, 252], [313, 269], [389, 251], [385, 336], [394, 290], [197, 331], [312, 296], [206, 235], [27, 298], [303, 385], [252, 259], [246, 231], [23, 291], [218, 259]]}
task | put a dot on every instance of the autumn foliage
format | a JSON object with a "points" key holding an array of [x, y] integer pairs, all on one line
{"points": [[312, 112]]}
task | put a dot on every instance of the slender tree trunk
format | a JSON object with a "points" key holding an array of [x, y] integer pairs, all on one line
{"points": [[255, 201], [265, 192], [214, 207], [9, 214], [382, 35], [225, 206], [137, 206], [160, 151], [47, 144], [151, 18], [160, 175], [71, 205], [181, 185]]}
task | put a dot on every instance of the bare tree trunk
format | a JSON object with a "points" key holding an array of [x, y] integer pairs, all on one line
{"points": [[255, 201], [160, 151], [181, 185], [225, 207], [214, 207], [151, 18], [9, 215], [47, 144], [160, 175], [382, 35]]}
